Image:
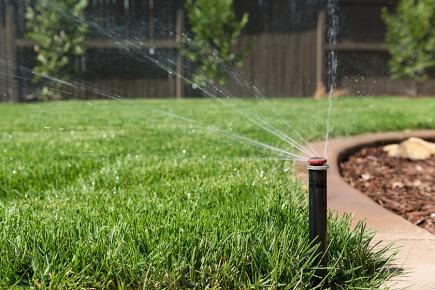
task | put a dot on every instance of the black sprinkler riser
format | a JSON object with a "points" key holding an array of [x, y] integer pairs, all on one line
{"points": [[317, 177]]}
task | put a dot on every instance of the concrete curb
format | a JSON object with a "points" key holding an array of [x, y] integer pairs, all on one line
{"points": [[416, 246]]}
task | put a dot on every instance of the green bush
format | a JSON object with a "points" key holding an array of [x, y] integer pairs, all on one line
{"points": [[58, 37], [215, 33], [410, 39]]}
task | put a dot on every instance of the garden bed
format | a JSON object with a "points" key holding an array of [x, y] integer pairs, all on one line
{"points": [[403, 186]]}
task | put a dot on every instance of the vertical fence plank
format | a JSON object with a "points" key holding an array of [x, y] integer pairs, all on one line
{"points": [[320, 51], [179, 88], [12, 89], [151, 20], [3, 64]]}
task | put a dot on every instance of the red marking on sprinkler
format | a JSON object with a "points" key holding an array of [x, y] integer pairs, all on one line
{"points": [[317, 161]]}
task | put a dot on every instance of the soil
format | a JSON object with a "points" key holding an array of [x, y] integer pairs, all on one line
{"points": [[403, 186]]}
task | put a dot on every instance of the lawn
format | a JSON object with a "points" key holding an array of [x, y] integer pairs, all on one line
{"points": [[111, 194]]}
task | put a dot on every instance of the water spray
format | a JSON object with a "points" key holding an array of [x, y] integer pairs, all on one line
{"points": [[317, 180]]}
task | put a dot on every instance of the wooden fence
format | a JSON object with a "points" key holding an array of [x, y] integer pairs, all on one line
{"points": [[362, 55], [106, 65], [283, 61], [287, 59]]}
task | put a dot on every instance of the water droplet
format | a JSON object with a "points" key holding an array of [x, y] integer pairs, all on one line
{"points": [[184, 151], [14, 172], [152, 50]]}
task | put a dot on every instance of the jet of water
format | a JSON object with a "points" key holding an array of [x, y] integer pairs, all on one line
{"points": [[135, 48], [211, 89], [277, 152], [331, 8]]}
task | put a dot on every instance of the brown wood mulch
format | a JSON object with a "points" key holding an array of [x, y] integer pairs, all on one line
{"points": [[403, 186]]}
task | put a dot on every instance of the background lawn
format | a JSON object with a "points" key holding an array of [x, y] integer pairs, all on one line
{"points": [[113, 194]]}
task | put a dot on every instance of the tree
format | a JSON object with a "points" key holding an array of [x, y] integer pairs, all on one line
{"points": [[410, 38], [215, 33], [58, 35]]}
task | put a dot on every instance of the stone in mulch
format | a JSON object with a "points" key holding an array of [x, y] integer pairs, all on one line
{"points": [[401, 185]]}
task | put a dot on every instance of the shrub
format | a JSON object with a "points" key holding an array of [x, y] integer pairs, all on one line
{"points": [[57, 35], [215, 33], [411, 40]]}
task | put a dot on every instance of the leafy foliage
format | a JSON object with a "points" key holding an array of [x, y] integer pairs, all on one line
{"points": [[58, 36], [215, 33], [410, 39]]}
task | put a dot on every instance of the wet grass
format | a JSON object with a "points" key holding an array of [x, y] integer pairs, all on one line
{"points": [[113, 195]]}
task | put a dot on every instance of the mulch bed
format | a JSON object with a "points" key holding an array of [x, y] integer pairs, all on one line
{"points": [[402, 186]]}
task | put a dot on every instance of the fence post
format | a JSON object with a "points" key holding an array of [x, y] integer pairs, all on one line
{"points": [[11, 56], [320, 52], [179, 86]]}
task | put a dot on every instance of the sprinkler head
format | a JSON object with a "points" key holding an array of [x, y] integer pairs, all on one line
{"points": [[318, 212], [317, 161]]}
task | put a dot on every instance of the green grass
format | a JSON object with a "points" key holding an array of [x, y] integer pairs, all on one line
{"points": [[113, 195]]}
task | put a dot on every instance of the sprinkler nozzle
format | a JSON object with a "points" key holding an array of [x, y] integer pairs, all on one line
{"points": [[317, 161]]}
